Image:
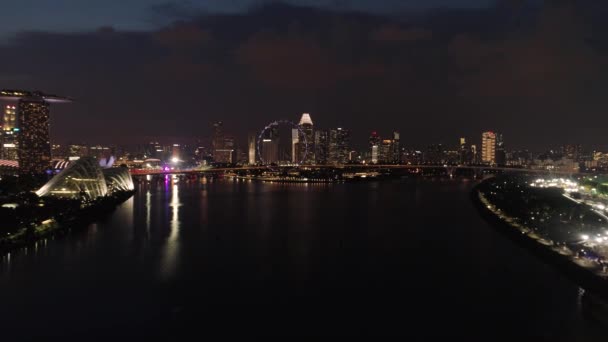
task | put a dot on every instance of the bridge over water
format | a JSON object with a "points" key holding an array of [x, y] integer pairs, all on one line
{"points": [[449, 169]]}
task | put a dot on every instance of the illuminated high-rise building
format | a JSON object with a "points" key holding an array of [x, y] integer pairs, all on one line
{"points": [[306, 143], [9, 120], [386, 150], [226, 154], [34, 141], [474, 154], [295, 145], [465, 154], [321, 147], [217, 142], [339, 146], [396, 149], [374, 145], [501, 154], [251, 147], [488, 148], [9, 133], [270, 151], [32, 128]]}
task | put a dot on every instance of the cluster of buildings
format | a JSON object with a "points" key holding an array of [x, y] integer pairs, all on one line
{"points": [[25, 146], [286, 143], [25, 137]]}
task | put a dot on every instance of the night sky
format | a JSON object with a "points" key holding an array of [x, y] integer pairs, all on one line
{"points": [[435, 69]]}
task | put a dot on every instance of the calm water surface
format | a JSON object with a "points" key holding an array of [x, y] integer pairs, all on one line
{"points": [[228, 257]]}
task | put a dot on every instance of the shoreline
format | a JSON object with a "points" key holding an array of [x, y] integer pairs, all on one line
{"points": [[79, 222], [595, 298]]}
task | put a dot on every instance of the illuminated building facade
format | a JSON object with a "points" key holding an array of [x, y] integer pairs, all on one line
{"points": [[306, 155], [374, 145], [396, 149], [501, 154], [321, 147], [9, 133], [217, 143], [488, 148], [32, 127], [9, 120], [339, 146], [251, 145], [34, 151], [270, 151], [295, 145]]}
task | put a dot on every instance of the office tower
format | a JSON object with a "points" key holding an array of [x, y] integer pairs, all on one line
{"points": [[572, 151], [34, 150], [306, 143], [176, 152], [395, 153], [9, 120], [339, 143], [252, 140], [501, 154], [9, 133], [100, 152], [270, 151], [321, 146], [32, 125], [386, 151], [465, 153], [217, 141], [488, 148], [295, 145], [226, 154], [474, 155], [374, 146], [434, 154]]}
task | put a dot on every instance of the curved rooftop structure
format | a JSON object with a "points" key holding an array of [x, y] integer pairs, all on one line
{"points": [[118, 179], [305, 119], [80, 179], [85, 179], [16, 95]]}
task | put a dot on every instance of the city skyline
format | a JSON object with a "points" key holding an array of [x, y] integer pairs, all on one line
{"points": [[433, 75]]}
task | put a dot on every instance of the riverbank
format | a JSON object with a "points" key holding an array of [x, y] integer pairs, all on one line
{"points": [[51, 228], [578, 269]]}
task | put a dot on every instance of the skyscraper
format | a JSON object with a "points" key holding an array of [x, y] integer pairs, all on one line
{"points": [[339, 143], [9, 120], [465, 153], [34, 141], [251, 147], [321, 146], [307, 155], [295, 145], [217, 142], [226, 154], [386, 151], [9, 133], [488, 148], [32, 128], [395, 153], [270, 151], [374, 146], [501, 154], [434, 154]]}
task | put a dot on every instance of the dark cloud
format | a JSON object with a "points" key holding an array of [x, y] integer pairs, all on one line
{"points": [[393, 33], [434, 76]]}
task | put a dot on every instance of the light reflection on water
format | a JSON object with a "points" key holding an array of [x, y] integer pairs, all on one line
{"points": [[171, 248], [287, 239]]}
